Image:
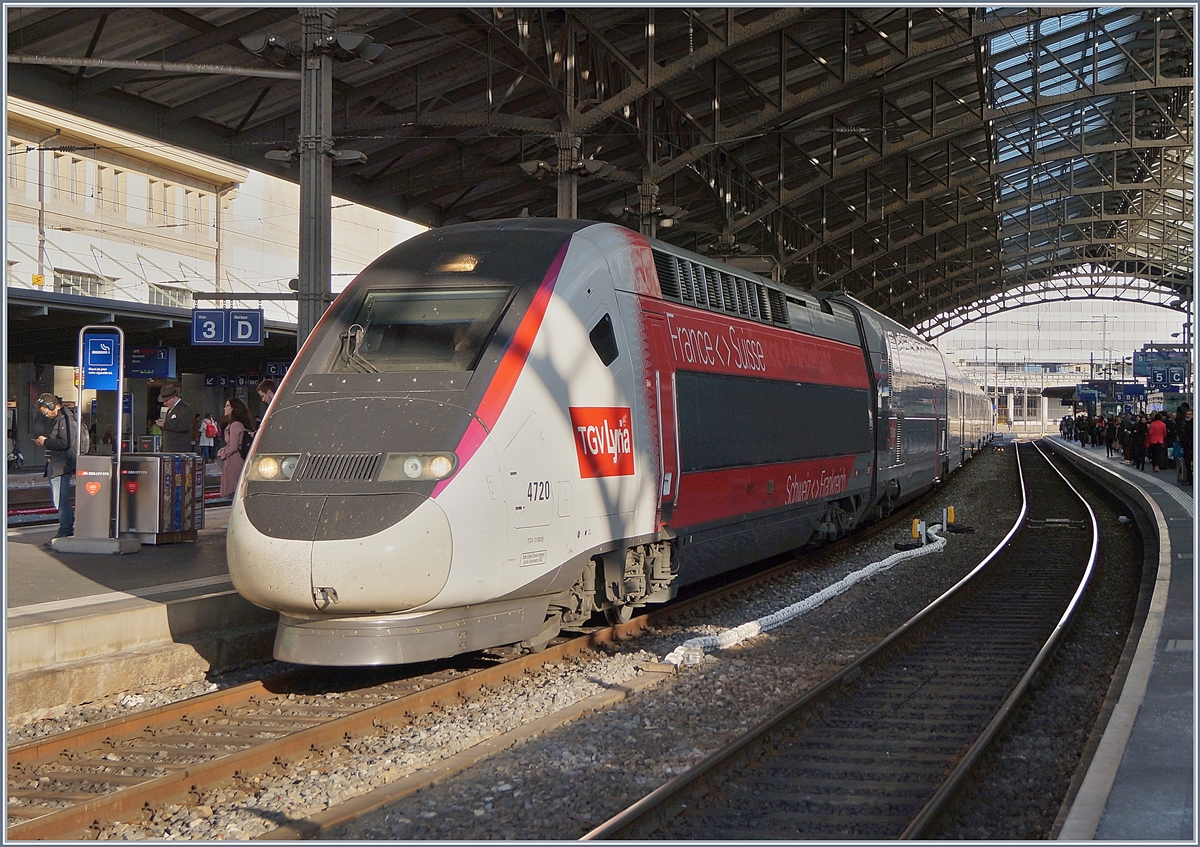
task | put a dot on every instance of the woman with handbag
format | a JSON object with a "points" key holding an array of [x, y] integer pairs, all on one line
{"points": [[237, 421]]}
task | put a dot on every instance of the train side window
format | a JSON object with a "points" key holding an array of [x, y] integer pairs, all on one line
{"points": [[604, 340]]}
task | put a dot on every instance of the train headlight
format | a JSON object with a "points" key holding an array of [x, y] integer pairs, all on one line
{"points": [[272, 468], [417, 466]]}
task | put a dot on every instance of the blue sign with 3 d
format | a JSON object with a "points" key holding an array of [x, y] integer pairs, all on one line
{"points": [[227, 327]]}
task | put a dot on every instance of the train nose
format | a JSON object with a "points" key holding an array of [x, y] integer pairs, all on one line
{"points": [[355, 555]]}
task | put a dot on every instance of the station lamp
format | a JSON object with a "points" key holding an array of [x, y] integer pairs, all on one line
{"points": [[270, 48]]}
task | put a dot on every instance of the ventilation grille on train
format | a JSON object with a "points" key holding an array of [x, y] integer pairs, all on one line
{"points": [[339, 467], [709, 288]]}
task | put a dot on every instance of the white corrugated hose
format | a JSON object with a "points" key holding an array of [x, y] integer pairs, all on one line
{"points": [[692, 651]]}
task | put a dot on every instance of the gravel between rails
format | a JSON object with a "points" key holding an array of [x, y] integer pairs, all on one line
{"points": [[565, 782]]}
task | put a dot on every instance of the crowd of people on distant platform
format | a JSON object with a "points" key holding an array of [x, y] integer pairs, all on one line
{"points": [[1163, 440]]}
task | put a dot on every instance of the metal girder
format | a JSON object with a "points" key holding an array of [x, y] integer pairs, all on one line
{"points": [[186, 49]]}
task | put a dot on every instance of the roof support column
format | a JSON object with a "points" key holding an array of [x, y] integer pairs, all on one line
{"points": [[570, 143], [316, 172], [648, 209], [570, 160]]}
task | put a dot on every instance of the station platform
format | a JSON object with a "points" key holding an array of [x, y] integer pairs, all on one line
{"points": [[84, 626], [1140, 785]]}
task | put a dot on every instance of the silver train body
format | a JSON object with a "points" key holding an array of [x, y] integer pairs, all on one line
{"points": [[502, 428]]}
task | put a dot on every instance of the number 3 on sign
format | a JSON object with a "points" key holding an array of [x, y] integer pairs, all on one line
{"points": [[208, 330]]}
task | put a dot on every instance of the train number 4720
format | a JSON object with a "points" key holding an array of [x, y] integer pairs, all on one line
{"points": [[538, 491]]}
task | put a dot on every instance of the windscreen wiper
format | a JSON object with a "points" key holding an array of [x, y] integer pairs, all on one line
{"points": [[351, 341]]}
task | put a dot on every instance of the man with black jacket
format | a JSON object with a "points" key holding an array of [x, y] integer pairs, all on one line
{"points": [[60, 457], [176, 422]]}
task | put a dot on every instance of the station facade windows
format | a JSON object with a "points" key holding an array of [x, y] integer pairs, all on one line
{"points": [[171, 295], [15, 164], [81, 283]]}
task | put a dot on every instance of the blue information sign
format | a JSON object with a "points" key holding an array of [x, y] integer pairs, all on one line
{"points": [[237, 327], [246, 327], [1146, 362], [208, 326], [100, 369], [152, 362]]}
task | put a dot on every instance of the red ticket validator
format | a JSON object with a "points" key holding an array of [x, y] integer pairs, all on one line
{"points": [[603, 440]]}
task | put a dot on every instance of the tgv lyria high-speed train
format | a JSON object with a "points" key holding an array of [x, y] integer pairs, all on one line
{"points": [[501, 428]]}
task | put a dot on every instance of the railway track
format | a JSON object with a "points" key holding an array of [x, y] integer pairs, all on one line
{"points": [[71, 785], [877, 751]]}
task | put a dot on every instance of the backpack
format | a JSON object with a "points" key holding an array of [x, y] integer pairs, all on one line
{"points": [[247, 440], [81, 445], [210, 429]]}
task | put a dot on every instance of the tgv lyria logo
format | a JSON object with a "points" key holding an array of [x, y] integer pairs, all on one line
{"points": [[603, 440]]}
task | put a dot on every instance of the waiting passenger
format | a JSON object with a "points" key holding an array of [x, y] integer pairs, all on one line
{"points": [[237, 421], [60, 459]]}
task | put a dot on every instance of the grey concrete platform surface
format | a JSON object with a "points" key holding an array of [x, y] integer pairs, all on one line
{"points": [[1141, 783], [82, 626]]}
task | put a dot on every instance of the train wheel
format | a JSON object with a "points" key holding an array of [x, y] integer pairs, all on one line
{"points": [[619, 614]]}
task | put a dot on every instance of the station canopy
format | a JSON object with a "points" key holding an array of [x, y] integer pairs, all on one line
{"points": [[940, 164]]}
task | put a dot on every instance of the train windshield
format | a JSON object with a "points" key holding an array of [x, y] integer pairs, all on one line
{"points": [[438, 329]]}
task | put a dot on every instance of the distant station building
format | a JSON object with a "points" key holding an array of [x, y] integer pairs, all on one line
{"points": [[106, 226], [1032, 358]]}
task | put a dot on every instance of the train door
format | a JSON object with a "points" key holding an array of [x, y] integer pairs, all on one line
{"points": [[660, 379]]}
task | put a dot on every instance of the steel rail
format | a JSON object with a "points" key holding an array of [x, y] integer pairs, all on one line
{"points": [[668, 800], [936, 803]]}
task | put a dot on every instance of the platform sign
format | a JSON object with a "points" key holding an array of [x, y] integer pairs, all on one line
{"points": [[1164, 375], [227, 327], [209, 326], [152, 363], [1146, 362], [277, 369], [246, 327], [1086, 395]]}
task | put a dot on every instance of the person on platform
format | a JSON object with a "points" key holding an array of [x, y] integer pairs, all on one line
{"points": [[237, 421], [152, 428], [208, 437], [16, 460], [1156, 438], [60, 459], [266, 393], [1187, 442], [176, 422], [1141, 432]]}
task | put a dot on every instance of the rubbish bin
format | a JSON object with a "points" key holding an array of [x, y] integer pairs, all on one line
{"points": [[93, 496], [162, 497]]}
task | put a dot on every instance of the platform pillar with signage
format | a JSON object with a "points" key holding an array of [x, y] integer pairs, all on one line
{"points": [[97, 507]]}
